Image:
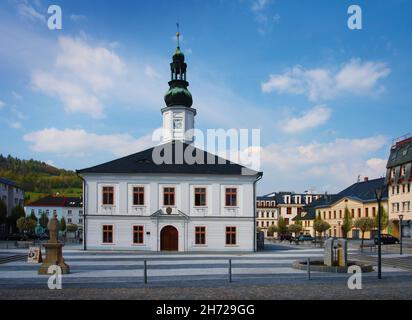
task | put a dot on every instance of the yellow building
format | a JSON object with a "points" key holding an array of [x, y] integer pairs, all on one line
{"points": [[359, 199], [399, 180]]}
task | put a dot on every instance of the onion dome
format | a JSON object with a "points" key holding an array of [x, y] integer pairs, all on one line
{"points": [[178, 94]]}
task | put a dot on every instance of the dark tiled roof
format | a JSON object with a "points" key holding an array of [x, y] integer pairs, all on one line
{"points": [[51, 201], [364, 191], [8, 182], [142, 162], [401, 153], [360, 191]]}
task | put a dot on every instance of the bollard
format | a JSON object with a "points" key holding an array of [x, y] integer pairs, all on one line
{"points": [[308, 268], [230, 270], [145, 272]]}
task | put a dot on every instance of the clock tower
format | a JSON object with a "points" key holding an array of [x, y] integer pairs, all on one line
{"points": [[178, 116]]}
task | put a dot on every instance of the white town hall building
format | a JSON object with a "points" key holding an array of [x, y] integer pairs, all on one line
{"points": [[134, 203]]}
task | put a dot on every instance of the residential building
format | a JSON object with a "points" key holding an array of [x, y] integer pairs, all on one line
{"points": [[12, 196], [138, 203], [69, 208], [288, 205], [266, 212], [399, 181], [359, 199]]}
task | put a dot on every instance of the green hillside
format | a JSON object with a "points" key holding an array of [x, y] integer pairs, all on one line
{"points": [[38, 178]]}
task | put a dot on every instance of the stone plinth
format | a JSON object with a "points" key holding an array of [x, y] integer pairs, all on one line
{"points": [[54, 256], [328, 255]]}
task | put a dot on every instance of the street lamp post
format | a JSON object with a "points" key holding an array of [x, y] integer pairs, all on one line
{"points": [[379, 194], [400, 232]]}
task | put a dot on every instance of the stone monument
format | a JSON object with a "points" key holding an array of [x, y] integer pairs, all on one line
{"points": [[328, 255], [54, 254]]}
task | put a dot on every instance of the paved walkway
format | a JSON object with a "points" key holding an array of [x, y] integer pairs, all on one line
{"points": [[125, 270]]}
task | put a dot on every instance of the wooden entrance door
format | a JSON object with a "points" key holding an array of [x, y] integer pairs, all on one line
{"points": [[169, 239]]}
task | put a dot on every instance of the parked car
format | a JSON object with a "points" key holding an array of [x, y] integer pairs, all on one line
{"points": [[386, 239], [286, 237], [306, 237]]}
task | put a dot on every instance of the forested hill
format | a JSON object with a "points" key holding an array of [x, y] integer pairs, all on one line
{"points": [[38, 177]]}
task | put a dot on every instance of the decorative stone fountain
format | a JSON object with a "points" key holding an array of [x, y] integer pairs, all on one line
{"points": [[335, 259], [54, 253]]}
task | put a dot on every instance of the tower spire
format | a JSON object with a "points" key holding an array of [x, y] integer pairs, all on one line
{"points": [[178, 94], [178, 35]]}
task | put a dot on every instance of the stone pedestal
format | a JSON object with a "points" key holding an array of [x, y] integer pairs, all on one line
{"points": [[54, 256], [328, 255]]}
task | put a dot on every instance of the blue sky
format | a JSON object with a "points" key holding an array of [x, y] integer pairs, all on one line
{"points": [[328, 100]]}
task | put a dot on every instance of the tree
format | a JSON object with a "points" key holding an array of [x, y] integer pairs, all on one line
{"points": [[33, 217], [72, 227], [296, 228], [63, 224], [44, 220], [320, 226], [26, 224], [384, 219], [3, 212], [347, 223], [16, 213], [272, 230], [364, 224], [282, 227]]}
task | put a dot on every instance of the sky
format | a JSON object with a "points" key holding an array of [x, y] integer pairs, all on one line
{"points": [[328, 100]]}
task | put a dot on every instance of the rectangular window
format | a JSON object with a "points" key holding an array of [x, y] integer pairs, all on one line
{"points": [[69, 220], [288, 210], [200, 235], [334, 214], [107, 234], [138, 234], [200, 197], [138, 196], [108, 196], [230, 236], [374, 212], [287, 221], [366, 212], [80, 220], [340, 214], [353, 213], [169, 196], [330, 215], [69, 212], [231, 197], [299, 211], [359, 212]]}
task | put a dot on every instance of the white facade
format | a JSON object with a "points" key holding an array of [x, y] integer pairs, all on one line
{"points": [[178, 124], [11, 195], [215, 216]]}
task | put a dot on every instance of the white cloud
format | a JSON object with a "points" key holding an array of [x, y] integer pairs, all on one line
{"points": [[17, 96], [259, 5], [338, 162], [354, 77], [80, 143], [86, 78], [77, 17], [28, 12], [311, 119], [2, 104], [15, 125]]}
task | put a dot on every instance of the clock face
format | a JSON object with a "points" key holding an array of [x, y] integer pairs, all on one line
{"points": [[177, 123]]}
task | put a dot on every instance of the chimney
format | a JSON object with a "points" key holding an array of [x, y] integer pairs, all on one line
{"points": [[366, 179]]}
